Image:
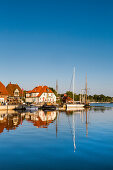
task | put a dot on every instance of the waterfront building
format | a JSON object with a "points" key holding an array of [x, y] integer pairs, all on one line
{"points": [[15, 93], [67, 99], [40, 94], [3, 93]]}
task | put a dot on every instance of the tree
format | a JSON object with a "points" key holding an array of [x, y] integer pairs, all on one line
{"points": [[54, 91], [70, 94]]}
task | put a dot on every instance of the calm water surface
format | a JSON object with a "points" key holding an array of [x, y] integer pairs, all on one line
{"points": [[57, 140]]}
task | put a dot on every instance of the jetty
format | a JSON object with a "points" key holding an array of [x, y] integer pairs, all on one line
{"points": [[11, 107]]}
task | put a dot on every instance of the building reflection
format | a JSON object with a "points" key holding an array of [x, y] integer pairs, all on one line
{"points": [[40, 119], [9, 121]]}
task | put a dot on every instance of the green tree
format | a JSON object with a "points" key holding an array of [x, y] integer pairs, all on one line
{"points": [[70, 94]]}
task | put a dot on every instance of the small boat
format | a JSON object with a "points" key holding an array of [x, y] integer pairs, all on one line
{"points": [[31, 108], [87, 105], [48, 107]]}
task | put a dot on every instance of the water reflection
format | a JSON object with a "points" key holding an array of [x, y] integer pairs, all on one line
{"points": [[81, 138], [40, 119], [73, 125], [101, 108], [74, 133], [9, 121], [86, 111]]}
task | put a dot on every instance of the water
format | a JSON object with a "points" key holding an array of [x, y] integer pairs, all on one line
{"points": [[57, 140]]}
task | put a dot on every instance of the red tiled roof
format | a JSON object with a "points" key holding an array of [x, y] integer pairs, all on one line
{"points": [[12, 87], [40, 90], [35, 90], [44, 89], [3, 90], [29, 91]]}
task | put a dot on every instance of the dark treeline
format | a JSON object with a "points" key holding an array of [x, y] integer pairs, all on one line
{"points": [[91, 98], [100, 98]]}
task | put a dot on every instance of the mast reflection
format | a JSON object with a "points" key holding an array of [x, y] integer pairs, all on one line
{"points": [[74, 133], [86, 110], [83, 114], [74, 113]]}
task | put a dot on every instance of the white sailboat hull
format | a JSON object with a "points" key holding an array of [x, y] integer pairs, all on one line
{"points": [[75, 106]]}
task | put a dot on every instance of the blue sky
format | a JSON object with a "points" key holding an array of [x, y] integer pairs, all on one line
{"points": [[42, 40]]}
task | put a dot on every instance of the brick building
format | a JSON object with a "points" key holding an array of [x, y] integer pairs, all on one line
{"points": [[15, 93]]}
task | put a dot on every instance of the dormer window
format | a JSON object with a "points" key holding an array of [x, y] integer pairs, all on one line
{"points": [[16, 92]]}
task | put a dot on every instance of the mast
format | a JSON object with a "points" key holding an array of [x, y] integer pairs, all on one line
{"points": [[73, 84], [86, 90], [57, 86], [80, 96]]}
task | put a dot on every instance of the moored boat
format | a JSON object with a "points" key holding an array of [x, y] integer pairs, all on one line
{"points": [[74, 106], [31, 108], [87, 105], [48, 107]]}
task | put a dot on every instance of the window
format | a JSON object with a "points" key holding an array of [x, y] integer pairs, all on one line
{"points": [[16, 92]]}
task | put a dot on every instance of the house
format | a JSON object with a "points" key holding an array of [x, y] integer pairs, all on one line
{"points": [[40, 94], [67, 99], [15, 93], [3, 93]]}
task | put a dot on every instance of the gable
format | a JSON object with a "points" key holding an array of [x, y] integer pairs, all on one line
{"points": [[11, 89], [3, 90]]}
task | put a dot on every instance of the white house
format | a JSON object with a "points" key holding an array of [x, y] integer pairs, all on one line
{"points": [[40, 94]]}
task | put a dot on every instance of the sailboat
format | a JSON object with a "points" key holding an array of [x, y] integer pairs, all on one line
{"points": [[74, 105]]}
